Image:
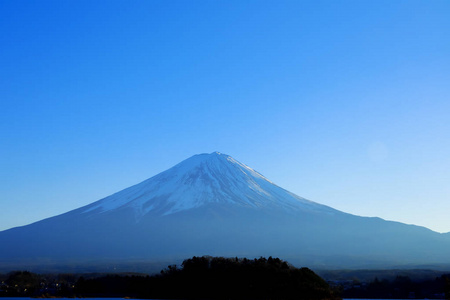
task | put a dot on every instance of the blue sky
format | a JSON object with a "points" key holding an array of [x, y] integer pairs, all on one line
{"points": [[346, 103]]}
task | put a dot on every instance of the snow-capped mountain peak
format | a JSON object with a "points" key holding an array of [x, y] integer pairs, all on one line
{"points": [[204, 179], [211, 204]]}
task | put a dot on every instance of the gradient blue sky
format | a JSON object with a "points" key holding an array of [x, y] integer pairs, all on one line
{"points": [[346, 103]]}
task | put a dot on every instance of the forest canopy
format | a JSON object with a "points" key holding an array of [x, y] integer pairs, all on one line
{"points": [[197, 277]]}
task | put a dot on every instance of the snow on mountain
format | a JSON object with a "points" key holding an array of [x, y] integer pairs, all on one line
{"points": [[200, 180]]}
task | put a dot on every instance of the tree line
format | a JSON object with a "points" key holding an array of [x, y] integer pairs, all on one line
{"points": [[197, 277], [401, 287]]}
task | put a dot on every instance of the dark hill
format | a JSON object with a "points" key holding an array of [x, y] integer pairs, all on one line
{"points": [[216, 278]]}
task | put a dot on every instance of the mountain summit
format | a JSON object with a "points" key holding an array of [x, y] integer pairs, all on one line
{"points": [[211, 204], [204, 179]]}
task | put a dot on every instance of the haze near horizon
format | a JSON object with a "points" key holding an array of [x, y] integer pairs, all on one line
{"points": [[343, 103]]}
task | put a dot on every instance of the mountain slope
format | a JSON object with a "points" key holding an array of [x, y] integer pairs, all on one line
{"points": [[211, 204]]}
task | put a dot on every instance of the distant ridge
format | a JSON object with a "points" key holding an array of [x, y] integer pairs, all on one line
{"points": [[212, 204]]}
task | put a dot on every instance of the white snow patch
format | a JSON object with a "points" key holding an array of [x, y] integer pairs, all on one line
{"points": [[202, 179]]}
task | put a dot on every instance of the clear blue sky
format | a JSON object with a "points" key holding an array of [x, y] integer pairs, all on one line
{"points": [[346, 103]]}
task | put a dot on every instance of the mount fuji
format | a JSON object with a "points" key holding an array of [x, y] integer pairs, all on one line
{"points": [[211, 204]]}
